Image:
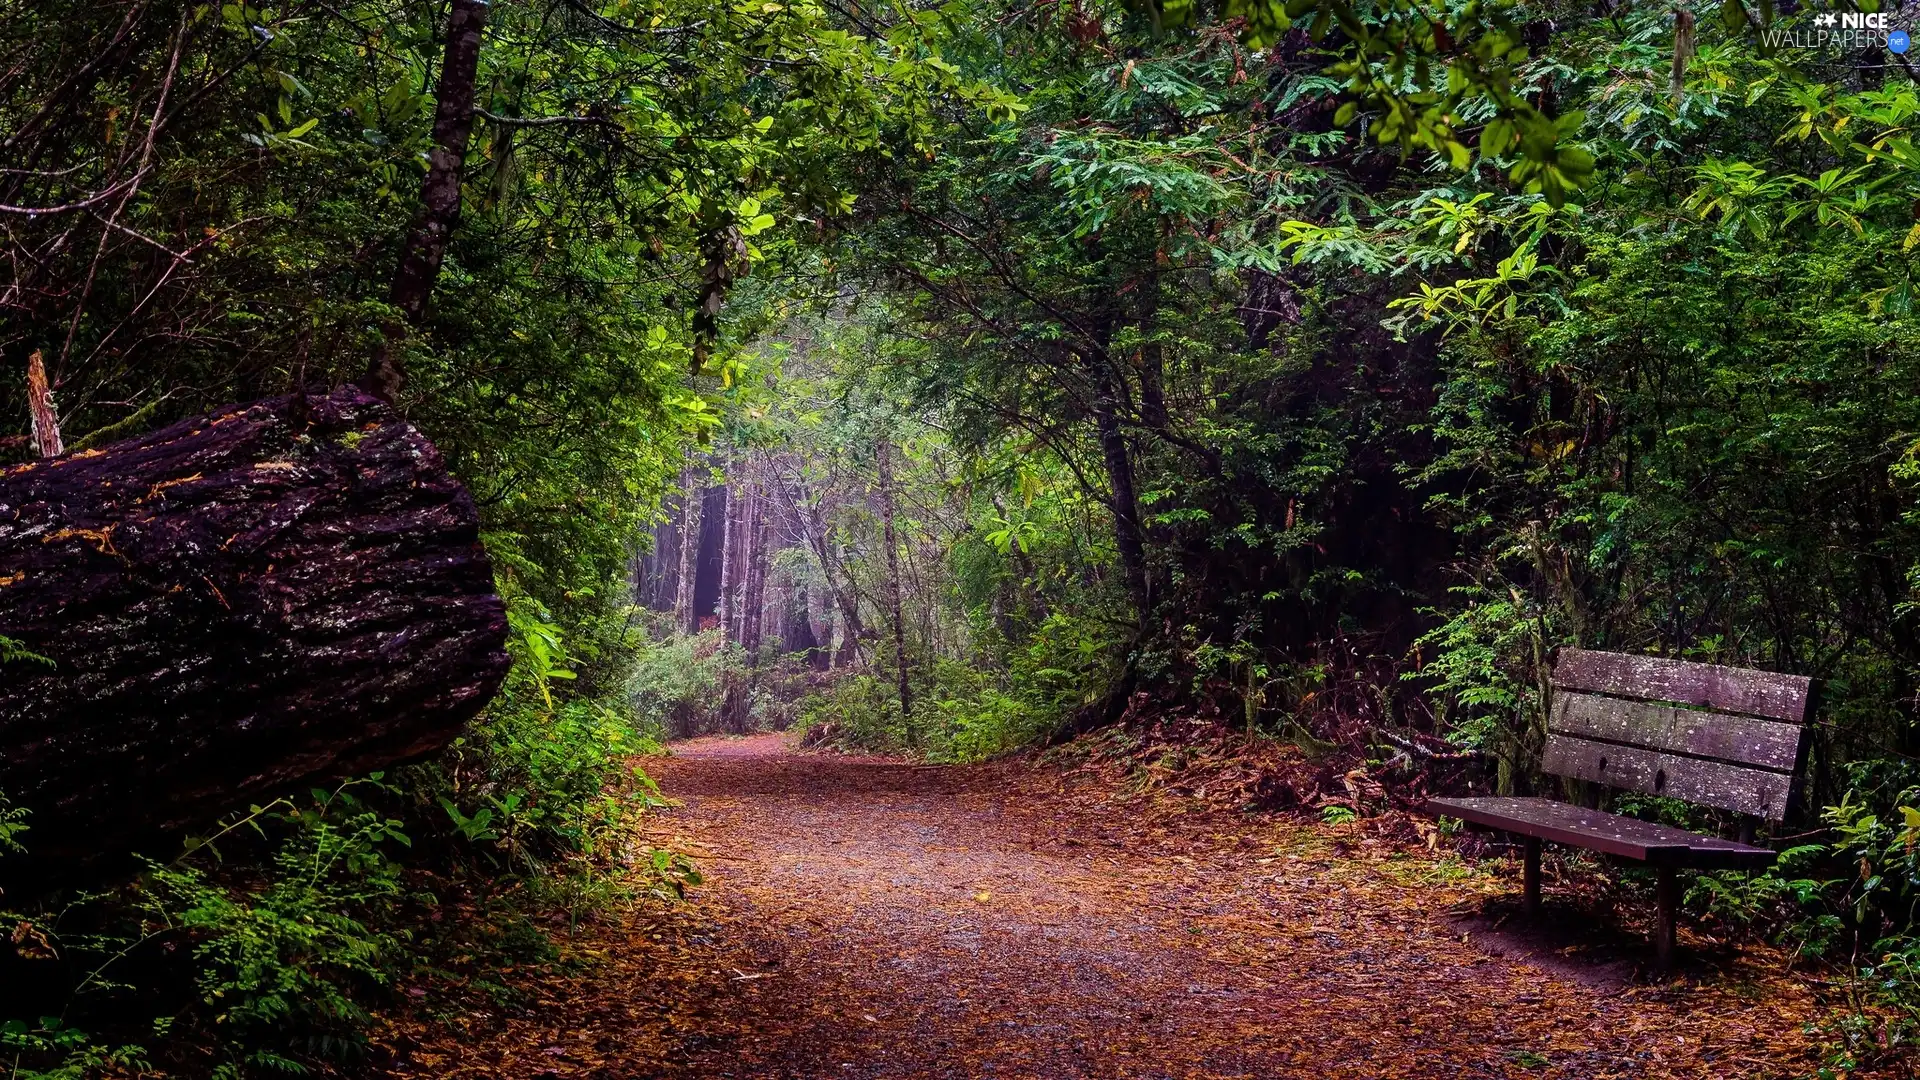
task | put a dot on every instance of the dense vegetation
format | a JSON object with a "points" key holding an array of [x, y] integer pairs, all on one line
{"points": [[961, 376]]}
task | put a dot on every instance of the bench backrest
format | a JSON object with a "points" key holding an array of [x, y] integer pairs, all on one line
{"points": [[1719, 736]]}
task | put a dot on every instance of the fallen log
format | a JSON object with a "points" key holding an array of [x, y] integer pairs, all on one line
{"points": [[262, 597]]}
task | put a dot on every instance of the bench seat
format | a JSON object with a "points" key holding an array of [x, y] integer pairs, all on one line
{"points": [[1597, 830], [1731, 738]]}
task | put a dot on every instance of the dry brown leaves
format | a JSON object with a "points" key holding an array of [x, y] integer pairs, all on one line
{"points": [[870, 918]]}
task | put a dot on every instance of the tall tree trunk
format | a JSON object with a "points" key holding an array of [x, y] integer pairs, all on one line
{"points": [[1124, 501], [737, 621], [852, 630], [729, 541], [691, 497], [894, 600], [748, 524], [796, 625], [425, 246], [663, 565], [814, 531], [754, 618]]}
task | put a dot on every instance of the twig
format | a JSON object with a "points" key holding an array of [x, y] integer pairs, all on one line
{"points": [[535, 121], [90, 201]]}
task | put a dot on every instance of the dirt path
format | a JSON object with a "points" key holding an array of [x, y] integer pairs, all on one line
{"points": [[866, 919]]}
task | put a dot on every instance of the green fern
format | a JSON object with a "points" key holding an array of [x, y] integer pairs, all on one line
{"points": [[13, 652]]}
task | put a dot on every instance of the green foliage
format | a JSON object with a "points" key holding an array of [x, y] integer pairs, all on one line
{"points": [[973, 710], [539, 777], [278, 965], [69, 1053], [1342, 360], [1854, 899], [1426, 76], [12, 652], [1485, 666], [678, 683], [283, 955], [864, 713], [12, 824]]}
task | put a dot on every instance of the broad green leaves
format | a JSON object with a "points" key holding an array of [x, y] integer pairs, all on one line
{"points": [[1415, 75]]}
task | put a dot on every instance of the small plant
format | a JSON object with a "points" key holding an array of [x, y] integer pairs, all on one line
{"points": [[70, 1053], [1338, 815], [13, 652], [13, 822]]}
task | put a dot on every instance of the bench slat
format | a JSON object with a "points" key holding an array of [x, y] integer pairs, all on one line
{"points": [[1709, 783], [1740, 690], [1768, 744], [1595, 830]]}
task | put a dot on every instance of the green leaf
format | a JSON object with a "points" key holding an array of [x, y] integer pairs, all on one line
{"points": [[1496, 138]]}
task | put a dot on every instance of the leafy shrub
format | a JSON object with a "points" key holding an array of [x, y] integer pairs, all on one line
{"points": [[281, 963], [985, 725], [1856, 900], [962, 712], [12, 652], [864, 712], [1065, 663], [284, 943], [677, 685], [1483, 665], [13, 822]]}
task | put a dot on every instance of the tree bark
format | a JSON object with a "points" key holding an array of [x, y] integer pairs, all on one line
{"points": [[753, 618], [425, 246], [1124, 502], [748, 523], [663, 563], [814, 531], [729, 541], [853, 629], [251, 600], [46, 422], [796, 632], [691, 498], [894, 600]]}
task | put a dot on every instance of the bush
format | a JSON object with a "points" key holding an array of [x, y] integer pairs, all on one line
{"points": [[678, 685], [282, 965], [281, 946], [1853, 901], [965, 712]]}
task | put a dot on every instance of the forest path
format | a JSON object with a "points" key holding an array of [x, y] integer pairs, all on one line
{"points": [[869, 918], [914, 921]]}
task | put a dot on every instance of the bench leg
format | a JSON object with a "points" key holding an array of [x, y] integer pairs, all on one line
{"points": [[1668, 892], [1530, 876]]}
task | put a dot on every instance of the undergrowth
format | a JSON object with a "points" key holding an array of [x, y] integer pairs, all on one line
{"points": [[1012, 695], [271, 944]]}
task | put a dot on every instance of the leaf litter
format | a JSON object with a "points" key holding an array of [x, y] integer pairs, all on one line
{"points": [[871, 918]]}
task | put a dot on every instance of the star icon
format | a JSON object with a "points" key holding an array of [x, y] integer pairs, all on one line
{"points": [[1825, 18]]}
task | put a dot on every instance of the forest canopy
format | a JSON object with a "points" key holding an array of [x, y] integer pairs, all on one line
{"points": [[948, 378]]}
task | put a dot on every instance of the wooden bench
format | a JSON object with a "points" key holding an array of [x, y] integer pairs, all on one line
{"points": [[1725, 737]]}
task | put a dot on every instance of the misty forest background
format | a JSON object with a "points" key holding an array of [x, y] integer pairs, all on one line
{"points": [[946, 378]]}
